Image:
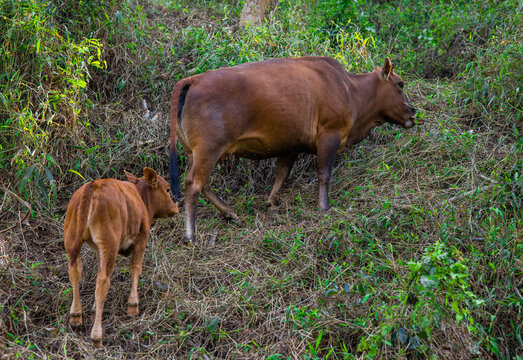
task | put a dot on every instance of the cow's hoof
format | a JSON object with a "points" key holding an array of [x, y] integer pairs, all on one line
{"points": [[274, 211], [187, 241], [233, 218], [324, 208], [267, 204], [132, 309], [75, 319], [272, 207], [272, 203], [236, 222], [97, 343]]}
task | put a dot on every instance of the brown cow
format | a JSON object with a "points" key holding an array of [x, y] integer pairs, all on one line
{"points": [[277, 108], [113, 217]]}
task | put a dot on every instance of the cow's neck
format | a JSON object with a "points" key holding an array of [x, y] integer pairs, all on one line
{"points": [[365, 106], [146, 198]]}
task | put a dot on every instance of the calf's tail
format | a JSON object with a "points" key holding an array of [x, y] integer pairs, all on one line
{"points": [[177, 103], [82, 215]]}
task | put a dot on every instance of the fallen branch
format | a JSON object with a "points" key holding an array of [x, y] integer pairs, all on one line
{"points": [[482, 176], [459, 197], [487, 179]]}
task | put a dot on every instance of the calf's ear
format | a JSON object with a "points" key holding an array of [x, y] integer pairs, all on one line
{"points": [[130, 177], [150, 176], [386, 70]]}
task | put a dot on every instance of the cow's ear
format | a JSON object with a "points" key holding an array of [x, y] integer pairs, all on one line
{"points": [[386, 70], [150, 177], [130, 177]]}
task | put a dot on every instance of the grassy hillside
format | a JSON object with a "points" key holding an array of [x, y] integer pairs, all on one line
{"points": [[420, 256]]}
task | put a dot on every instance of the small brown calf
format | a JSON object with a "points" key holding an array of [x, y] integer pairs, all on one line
{"points": [[113, 217]]}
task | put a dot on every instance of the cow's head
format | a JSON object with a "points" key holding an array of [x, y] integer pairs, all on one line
{"points": [[155, 192], [393, 102]]}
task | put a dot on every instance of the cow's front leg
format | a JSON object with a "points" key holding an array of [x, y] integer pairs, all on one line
{"points": [[136, 270], [283, 168], [327, 147]]}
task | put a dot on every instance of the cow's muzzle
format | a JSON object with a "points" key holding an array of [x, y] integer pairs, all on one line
{"points": [[412, 113]]}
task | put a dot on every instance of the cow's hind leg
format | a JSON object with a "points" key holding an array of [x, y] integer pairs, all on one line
{"points": [[224, 208], [136, 270], [327, 145], [75, 275], [106, 262], [283, 168], [202, 166]]}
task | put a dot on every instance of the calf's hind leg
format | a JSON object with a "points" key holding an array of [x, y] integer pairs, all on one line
{"points": [[136, 270], [75, 275], [106, 262]]}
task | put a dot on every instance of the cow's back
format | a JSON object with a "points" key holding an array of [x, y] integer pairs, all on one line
{"points": [[264, 108], [112, 206], [117, 204]]}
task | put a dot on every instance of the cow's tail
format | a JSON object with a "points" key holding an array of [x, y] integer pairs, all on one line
{"points": [[177, 103], [82, 216]]}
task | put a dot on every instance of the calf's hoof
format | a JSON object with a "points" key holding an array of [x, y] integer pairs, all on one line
{"points": [[75, 319], [271, 203], [97, 343], [132, 309], [273, 206]]}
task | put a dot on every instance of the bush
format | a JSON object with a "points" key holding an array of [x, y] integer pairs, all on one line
{"points": [[45, 70]]}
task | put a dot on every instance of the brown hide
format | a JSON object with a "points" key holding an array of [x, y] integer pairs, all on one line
{"points": [[113, 217], [278, 108]]}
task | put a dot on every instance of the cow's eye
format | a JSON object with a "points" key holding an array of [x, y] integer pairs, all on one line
{"points": [[168, 190], [401, 84]]}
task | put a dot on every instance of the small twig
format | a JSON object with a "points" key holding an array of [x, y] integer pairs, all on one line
{"points": [[517, 292], [212, 240], [459, 197], [25, 217], [361, 199], [480, 175], [392, 202], [487, 179]]}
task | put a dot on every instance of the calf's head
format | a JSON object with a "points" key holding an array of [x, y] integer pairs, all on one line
{"points": [[155, 192], [393, 102]]}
